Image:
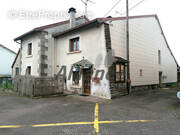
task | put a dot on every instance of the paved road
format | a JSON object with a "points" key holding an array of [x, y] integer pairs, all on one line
{"points": [[73, 115]]}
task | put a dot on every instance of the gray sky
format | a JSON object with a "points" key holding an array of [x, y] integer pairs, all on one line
{"points": [[20, 16]]}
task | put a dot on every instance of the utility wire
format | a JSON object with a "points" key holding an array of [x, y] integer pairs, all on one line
{"points": [[134, 6], [112, 7]]}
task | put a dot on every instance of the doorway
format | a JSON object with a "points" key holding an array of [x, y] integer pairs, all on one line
{"points": [[86, 81], [160, 79]]}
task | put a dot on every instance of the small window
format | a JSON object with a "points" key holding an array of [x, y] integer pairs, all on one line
{"points": [[159, 57], [30, 49], [29, 70], [74, 44], [140, 72], [75, 80], [17, 71], [120, 73]]}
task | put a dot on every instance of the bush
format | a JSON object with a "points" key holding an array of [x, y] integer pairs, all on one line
{"points": [[174, 85]]}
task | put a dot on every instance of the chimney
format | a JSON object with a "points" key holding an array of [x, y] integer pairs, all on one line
{"points": [[72, 20]]}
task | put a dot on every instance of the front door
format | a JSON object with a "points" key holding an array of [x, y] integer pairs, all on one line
{"points": [[86, 81], [160, 79]]}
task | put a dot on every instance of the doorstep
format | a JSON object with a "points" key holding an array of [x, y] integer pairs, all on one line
{"points": [[88, 98]]}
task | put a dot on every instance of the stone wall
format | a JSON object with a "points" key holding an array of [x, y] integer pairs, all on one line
{"points": [[38, 86]]}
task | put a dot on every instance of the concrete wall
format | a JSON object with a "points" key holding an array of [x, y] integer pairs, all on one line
{"points": [[145, 40], [6, 59], [42, 60], [92, 48], [32, 60]]}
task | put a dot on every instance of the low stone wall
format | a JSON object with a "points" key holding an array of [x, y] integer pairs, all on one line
{"points": [[38, 86], [143, 88]]}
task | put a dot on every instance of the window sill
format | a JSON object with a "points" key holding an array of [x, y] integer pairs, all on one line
{"points": [[28, 56], [73, 52], [75, 86]]}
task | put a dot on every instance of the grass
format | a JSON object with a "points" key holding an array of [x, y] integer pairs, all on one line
{"points": [[6, 86]]}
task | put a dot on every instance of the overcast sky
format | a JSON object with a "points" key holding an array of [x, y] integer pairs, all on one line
{"points": [[20, 16]]}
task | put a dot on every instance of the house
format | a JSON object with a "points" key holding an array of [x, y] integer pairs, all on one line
{"points": [[16, 65], [91, 54], [6, 58]]}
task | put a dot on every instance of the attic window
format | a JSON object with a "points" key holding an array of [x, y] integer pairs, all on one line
{"points": [[29, 49], [74, 44]]}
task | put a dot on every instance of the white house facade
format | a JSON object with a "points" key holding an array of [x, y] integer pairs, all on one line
{"points": [[92, 54], [147, 41]]}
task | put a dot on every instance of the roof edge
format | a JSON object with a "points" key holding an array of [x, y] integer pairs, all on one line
{"points": [[7, 48], [15, 59], [38, 29], [166, 40], [124, 17], [98, 21]]}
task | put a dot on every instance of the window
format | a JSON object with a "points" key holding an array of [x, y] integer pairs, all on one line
{"points": [[74, 44], [75, 78], [120, 72], [30, 49], [29, 70], [159, 57], [17, 71]]}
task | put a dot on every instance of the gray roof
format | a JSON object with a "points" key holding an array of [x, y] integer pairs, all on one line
{"points": [[83, 63]]}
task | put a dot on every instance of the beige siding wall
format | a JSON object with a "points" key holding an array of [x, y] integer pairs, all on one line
{"points": [[145, 41], [118, 38]]}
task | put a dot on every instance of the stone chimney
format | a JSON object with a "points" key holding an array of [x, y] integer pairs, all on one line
{"points": [[72, 20]]}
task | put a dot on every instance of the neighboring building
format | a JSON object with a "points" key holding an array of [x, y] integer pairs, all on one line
{"points": [[6, 58], [99, 46], [16, 65]]}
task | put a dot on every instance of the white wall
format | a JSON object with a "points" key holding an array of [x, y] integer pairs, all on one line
{"points": [[30, 60], [92, 46], [145, 41]]}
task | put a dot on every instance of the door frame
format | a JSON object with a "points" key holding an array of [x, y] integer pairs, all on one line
{"points": [[83, 88], [160, 79]]}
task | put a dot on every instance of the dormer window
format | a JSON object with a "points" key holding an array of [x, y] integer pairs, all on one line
{"points": [[74, 44], [29, 51]]}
